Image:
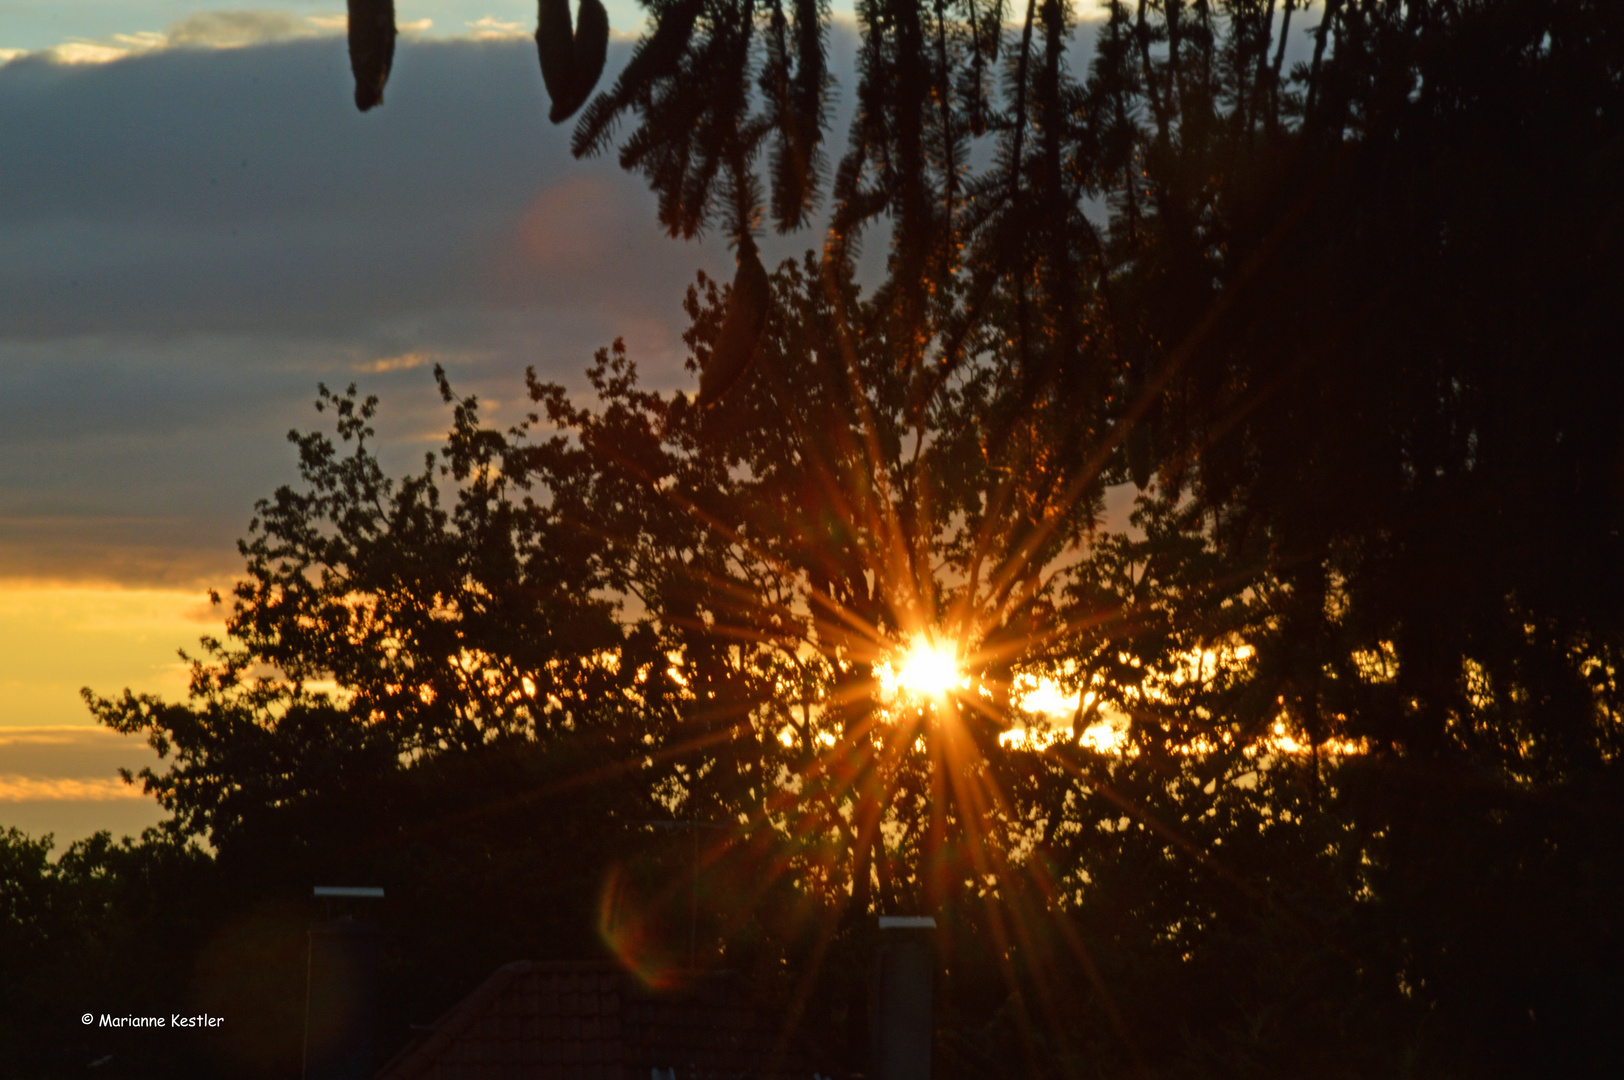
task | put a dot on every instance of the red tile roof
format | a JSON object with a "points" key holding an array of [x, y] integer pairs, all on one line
{"points": [[587, 1021]]}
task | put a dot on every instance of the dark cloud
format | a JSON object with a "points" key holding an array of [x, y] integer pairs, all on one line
{"points": [[236, 190], [192, 238]]}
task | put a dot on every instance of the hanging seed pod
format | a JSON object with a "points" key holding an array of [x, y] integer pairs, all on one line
{"points": [[555, 44], [571, 61], [372, 48], [740, 337], [591, 49], [1139, 453]]}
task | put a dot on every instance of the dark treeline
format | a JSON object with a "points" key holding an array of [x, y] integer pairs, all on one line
{"points": [[1338, 788]]}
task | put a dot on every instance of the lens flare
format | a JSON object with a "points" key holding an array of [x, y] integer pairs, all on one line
{"points": [[626, 927]]}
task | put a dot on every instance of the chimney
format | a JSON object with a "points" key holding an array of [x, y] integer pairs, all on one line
{"points": [[341, 995], [903, 970]]}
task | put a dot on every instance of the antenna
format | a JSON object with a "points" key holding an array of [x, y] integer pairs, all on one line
{"points": [[693, 828]]}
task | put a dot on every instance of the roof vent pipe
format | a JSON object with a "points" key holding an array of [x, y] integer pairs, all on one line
{"points": [[904, 967]]}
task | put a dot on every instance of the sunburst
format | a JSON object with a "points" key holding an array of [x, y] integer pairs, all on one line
{"points": [[929, 670]]}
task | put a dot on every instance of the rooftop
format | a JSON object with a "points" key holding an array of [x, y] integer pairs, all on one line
{"points": [[591, 1021]]}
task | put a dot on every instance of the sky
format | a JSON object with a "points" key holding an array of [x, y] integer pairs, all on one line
{"points": [[196, 228]]}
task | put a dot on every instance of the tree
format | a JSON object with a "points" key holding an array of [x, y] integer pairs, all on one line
{"points": [[73, 929], [1349, 327]]}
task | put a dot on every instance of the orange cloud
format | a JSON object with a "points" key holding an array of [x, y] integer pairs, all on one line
{"points": [[14, 788]]}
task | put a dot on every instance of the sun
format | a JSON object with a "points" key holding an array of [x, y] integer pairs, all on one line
{"points": [[929, 670]]}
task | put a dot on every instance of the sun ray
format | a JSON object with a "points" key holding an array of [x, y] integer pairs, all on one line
{"points": [[908, 675]]}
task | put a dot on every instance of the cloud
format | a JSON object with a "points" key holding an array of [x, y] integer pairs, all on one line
{"points": [[235, 29], [14, 788], [94, 52], [201, 30], [64, 781], [70, 763], [402, 362], [194, 237], [491, 28], [241, 192]]}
